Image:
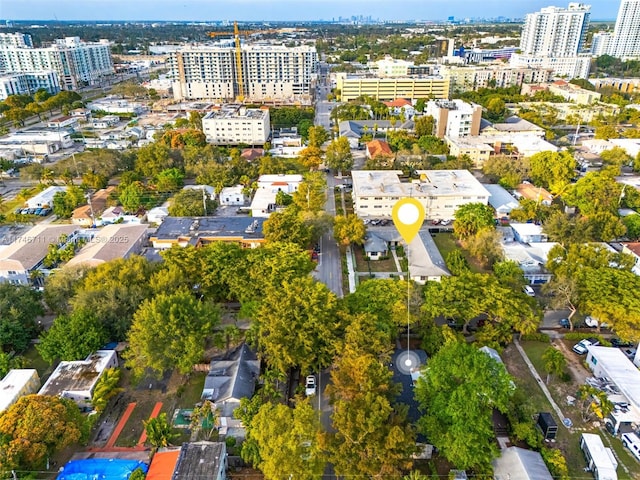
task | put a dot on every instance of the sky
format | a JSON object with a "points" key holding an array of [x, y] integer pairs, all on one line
{"points": [[250, 10]]}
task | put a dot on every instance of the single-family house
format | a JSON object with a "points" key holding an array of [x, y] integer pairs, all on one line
{"points": [[207, 189], [82, 114], [231, 378], [375, 247], [633, 249], [232, 196], [199, 231], [528, 233], [17, 383], [531, 192], [112, 215], [531, 258], [77, 379], [354, 129], [68, 122], [108, 121], [512, 125], [425, 260], [27, 252], [501, 200], [45, 197], [264, 200], [163, 464], [86, 214], [515, 463], [401, 106], [201, 460], [157, 215], [251, 154], [378, 148], [111, 242]]}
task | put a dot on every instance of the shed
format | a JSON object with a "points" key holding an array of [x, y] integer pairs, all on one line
{"points": [[548, 425], [516, 463]]}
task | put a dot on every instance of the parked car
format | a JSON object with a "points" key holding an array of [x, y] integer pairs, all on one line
{"points": [[565, 323], [310, 385], [581, 347], [529, 291], [384, 222], [630, 353], [38, 211], [616, 342], [445, 222], [45, 212]]}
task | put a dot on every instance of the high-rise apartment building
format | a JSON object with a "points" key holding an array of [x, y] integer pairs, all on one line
{"points": [[626, 35], [555, 32], [601, 43], [76, 63], [455, 118], [269, 72], [28, 83], [554, 38]]}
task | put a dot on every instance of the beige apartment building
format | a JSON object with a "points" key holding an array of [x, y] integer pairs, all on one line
{"points": [[234, 124], [441, 192]]}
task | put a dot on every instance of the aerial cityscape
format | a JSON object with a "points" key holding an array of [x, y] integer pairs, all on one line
{"points": [[331, 240]]}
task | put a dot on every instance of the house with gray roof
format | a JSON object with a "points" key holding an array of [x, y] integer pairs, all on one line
{"points": [[516, 463], [201, 460], [501, 200], [374, 246], [231, 379]]}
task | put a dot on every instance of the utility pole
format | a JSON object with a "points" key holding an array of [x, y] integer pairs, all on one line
{"points": [[204, 201]]}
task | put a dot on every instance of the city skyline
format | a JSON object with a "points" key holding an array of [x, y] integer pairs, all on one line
{"points": [[285, 10]]}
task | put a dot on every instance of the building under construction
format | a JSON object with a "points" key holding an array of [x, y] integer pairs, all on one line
{"points": [[250, 72]]}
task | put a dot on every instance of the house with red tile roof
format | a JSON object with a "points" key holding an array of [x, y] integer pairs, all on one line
{"points": [[378, 148]]}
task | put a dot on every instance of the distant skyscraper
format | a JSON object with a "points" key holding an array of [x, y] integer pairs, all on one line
{"points": [[555, 32], [601, 43], [554, 38], [626, 36]]}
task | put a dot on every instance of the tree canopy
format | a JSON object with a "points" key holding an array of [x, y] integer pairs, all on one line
{"points": [[471, 218], [19, 308]]}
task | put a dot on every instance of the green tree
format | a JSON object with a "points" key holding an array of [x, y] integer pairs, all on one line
{"points": [[552, 170], [605, 132], [159, 432], [9, 361], [509, 273], [595, 192], [288, 441], [471, 218], [317, 136], [192, 203], [113, 291], [106, 389], [19, 308], [485, 246], [35, 428], [457, 262], [132, 196], [424, 126], [310, 195], [287, 226], [349, 229], [594, 403], [65, 202], [457, 392], [169, 331], [170, 180], [632, 224], [338, 156], [307, 308], [72, 337], [554, 362], [204, 418]]}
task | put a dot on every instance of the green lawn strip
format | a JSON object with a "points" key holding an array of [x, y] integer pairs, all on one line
{"points": [[133, 428], [376, 265], [192, 391], [623, 455]]}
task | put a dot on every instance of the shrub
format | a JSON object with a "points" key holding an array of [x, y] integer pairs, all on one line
{"points": [[536, 337], [577, 336]]}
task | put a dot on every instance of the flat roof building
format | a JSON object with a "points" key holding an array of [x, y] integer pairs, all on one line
{"points": [[440, 191], [76, 380], [201, 460], [455, 118], [515, 463], [233, 124], [389, 88], [17, 383], [263, 203]]}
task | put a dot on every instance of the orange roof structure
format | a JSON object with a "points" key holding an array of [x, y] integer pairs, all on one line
{"points": [[163, 465], [252, 153], [378, 147], [399, 102]]}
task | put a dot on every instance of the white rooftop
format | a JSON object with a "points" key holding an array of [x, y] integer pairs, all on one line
{"points": [[11, 385], [386, 183], [526, 229], [620, 370], [601, 458]]}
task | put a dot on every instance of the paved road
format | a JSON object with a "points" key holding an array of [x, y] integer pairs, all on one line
{"points": [[329, 270]]}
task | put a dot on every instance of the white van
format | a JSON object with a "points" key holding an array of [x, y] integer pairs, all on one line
{"points": [[632, 442]]}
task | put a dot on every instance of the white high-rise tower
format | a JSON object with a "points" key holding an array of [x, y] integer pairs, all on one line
{"points": [[626, 36], [554, 38]]}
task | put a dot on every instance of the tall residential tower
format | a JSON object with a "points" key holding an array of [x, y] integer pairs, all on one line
{"points": [[554, 38], [626, 36]]}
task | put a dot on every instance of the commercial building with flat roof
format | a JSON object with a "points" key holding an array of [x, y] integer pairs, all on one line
{"points": [[390, 88], [233, 124], [200, 460], [440, 191]]}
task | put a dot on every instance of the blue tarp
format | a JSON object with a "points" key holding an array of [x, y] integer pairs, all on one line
{"points": [[100, 469]]}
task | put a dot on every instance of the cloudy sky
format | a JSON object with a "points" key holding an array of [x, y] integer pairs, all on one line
{"points": [[247, 10]]}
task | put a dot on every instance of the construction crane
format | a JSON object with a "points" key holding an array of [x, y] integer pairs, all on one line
{"points": [[236, 36]]}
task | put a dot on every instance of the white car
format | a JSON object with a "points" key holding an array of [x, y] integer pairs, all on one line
{"points": [[310, 385], [581, 347], [632, 442], [529, 291]]}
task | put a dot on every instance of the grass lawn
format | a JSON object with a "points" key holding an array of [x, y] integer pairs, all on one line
{"points": [[34, 360], [446, 243], [376, 265]]}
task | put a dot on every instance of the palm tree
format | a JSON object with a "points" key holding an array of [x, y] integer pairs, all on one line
{"points": [[554, 362], [159, 432]]}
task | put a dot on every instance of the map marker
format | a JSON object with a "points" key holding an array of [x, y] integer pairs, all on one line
{"points": [[408, 215]]}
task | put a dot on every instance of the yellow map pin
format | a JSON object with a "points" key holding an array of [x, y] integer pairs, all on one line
{"points": [[408, 215]]}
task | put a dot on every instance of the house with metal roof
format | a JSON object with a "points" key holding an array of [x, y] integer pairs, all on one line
{"points": [[501, 200], [515, 463], [201, 460]]}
